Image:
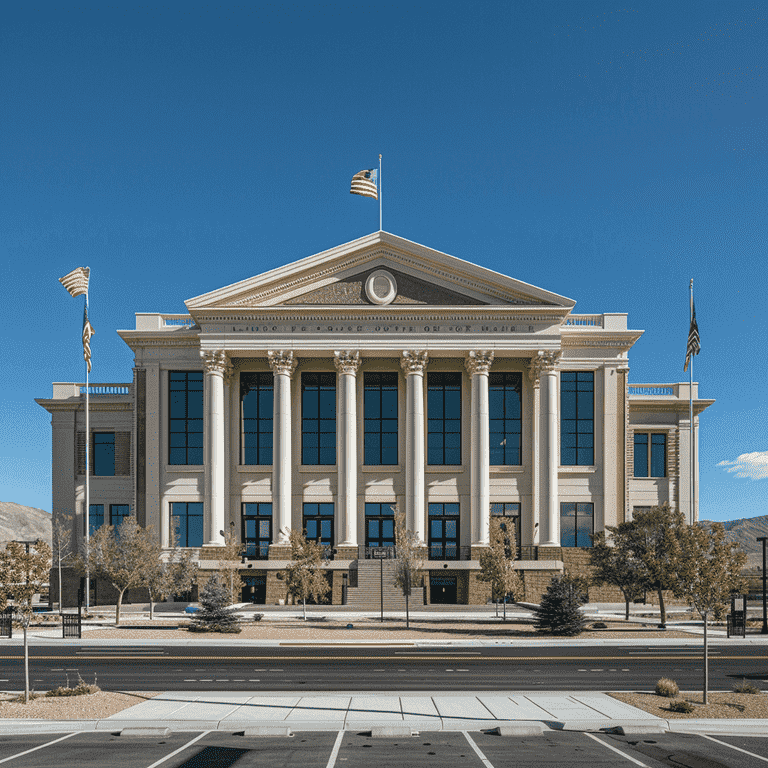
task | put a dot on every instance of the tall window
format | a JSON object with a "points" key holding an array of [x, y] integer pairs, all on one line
{"points": [[256, 401], [380, 414], [576, 524], [118, 513], [509, 515], [506, 424], [443, 531], [444, 418], [318, 523], [650, 454], [318, 418], [187, 523], [577, 421], [257, 530], [185, 407], [95, 518], [379, 525], [104, 454]]}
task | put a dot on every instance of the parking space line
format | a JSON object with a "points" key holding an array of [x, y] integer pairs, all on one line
{"points": [[486, 761], [334, 751], [617, 751], [180, 749], [738, 749], [34, 749]]}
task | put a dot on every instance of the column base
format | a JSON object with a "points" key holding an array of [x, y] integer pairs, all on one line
{"points": [[476, 550], [279, 552], [346, 552], [550, 553]]}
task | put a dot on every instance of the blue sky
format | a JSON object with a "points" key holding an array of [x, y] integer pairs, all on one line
{"points": [[605, 152]]}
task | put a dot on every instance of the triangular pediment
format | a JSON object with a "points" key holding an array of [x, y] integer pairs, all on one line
{"points": [[407, 272]]}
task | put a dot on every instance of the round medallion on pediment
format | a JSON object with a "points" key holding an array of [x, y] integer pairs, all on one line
{"points": [[381, 287]]}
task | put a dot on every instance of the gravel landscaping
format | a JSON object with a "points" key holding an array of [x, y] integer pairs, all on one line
{"points": [[720, 704], [89, 707]]}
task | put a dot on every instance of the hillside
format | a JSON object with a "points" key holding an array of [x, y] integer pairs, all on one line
{"points": [[745, 532], [19, 523]]}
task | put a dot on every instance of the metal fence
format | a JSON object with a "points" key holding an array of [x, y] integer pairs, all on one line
{"points": [[71, 625], [6, 623]]}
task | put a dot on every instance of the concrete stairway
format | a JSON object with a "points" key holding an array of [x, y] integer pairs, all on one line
{"points": [[367, 594]]}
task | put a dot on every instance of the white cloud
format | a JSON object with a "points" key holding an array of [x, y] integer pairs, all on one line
{"points": [[752, 465]]}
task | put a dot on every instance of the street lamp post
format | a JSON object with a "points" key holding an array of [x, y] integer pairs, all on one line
{"points": [[764, 630]]}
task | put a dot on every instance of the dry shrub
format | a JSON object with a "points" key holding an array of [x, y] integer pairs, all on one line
{"points": [[667, 687]]}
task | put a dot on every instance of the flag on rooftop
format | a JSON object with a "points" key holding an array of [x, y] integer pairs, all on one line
{"points": [[364, 183], [76, 282], [694, 342], [87, 333]]}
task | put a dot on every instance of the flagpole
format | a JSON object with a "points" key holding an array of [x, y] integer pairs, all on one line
{"points": [[693, 433], [379, 192], [87, 479]]}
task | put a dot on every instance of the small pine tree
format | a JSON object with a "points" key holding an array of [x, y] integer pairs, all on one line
{"points": [[559, 612], [215, 616]]}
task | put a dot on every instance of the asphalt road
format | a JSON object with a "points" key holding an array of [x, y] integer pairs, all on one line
{"points": [[347, 749], [296, 668]]}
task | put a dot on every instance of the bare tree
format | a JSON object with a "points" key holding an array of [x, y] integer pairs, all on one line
{"points": [[62, 544], [409, 561], [230, 562], [497, 563], [121, 556], [24, 568], [304, 575], [168, 573], [615, 565]]}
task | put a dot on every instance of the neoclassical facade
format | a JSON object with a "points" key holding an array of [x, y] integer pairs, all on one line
{"points": [[381, 372]]}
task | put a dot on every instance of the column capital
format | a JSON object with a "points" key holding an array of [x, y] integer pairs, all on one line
{"points": [[282, 361], [347, 361], [478, 361], [216, 362], [542, 362], [414, 361]]}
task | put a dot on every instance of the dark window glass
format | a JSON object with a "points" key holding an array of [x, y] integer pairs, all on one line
{"points": [[257, 530], [318, 418], [187, 523], [95, 518], [318, 523], [185, 412], [641, 454], [658, 455], [509, 514], [118, 513], [443, 531], [380, 415], [379, 525], [506, 421], [576, 524], [444, 418], [577, 425], [256, 402], [104, 454], [650, 454]]}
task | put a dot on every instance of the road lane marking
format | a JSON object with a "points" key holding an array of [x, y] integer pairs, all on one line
{"points": [[34, 749], [334, 752], [738, 749], [486, 761], [617, 751], [180, 749]]}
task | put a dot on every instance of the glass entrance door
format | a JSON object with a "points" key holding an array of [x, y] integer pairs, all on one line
{"points": [[379, 525]]}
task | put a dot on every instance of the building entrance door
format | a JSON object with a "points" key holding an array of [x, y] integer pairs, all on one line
{"points": [[255, 589], [442, 589]]}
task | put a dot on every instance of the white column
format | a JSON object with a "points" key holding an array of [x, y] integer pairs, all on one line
{"points": [[414, 363], [534, 373], [215, 364], [347, 364], [552, 533], [478, 363], [283, 365]]}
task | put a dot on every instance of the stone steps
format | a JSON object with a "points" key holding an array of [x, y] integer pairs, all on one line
{"points": [[367, 593]]}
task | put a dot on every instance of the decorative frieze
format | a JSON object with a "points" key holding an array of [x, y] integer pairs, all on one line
{"points": [[346, 361], [282, 361], [478, 362], [414, 361]]}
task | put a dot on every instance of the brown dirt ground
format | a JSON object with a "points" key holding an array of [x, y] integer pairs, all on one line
{"points": [[719, 705], [90, 707]]}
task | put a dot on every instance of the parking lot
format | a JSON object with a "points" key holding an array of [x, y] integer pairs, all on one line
{"points": [[350, 749]]}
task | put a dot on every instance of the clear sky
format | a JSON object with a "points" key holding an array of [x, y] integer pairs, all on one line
{"points": [[606, 152]]}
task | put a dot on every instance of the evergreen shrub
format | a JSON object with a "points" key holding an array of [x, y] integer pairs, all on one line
{"points": [[558, 613], [215, 616]]}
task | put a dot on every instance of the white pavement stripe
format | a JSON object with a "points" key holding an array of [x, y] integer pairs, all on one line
{"points": [[34, 749], [617, 751], [738, 749], [180, 749], [335, 751], [486, 761]]}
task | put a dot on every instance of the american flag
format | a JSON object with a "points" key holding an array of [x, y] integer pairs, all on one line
{"points": [[364, 183], [87, 333], [694, 342], [76, 282]]}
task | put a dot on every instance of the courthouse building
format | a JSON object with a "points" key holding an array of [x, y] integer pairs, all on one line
{"points": [[380, 372]]}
